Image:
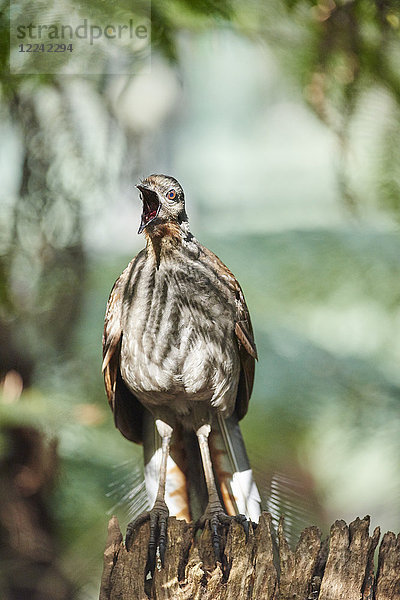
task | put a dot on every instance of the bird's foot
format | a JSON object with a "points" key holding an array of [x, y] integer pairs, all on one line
{"points": [[158, 517], [216, 519]]}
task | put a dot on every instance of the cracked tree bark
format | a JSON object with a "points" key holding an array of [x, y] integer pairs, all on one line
{"points": [[341, 568]]}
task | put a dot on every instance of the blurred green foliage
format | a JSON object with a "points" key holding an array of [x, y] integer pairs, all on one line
{"points": [[324, 301]]}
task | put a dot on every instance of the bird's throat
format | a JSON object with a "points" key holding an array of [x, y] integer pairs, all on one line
{"points": [[162, 239]]}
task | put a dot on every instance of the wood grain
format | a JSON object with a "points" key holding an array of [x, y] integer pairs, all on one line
{"points": [[263, 567]]}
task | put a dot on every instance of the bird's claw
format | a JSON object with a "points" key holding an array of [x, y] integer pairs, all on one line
{"points": [[130, 529], [216, 517], [158, 517]]}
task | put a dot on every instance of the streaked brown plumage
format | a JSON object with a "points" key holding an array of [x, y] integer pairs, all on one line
{"points": [[178, 345]]}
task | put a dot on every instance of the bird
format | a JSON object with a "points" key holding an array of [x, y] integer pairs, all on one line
{"points": [[178, 363]]}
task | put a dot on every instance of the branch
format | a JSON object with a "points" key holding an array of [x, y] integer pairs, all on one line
{"points": [[341, 568]]}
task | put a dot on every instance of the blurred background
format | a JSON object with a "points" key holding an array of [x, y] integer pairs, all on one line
{"points": [[281, 120]]}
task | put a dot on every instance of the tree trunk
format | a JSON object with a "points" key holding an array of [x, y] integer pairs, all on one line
{"points": [[29, 546], [341, 568]]}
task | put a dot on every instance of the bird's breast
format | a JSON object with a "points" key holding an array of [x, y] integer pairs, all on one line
{"points": [[178, 334]]}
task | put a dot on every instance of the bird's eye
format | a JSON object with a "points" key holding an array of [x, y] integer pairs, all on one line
{"points": [[171, 195]]}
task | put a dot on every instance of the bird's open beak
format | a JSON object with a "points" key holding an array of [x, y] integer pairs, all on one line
{"points": [[151, 206]]}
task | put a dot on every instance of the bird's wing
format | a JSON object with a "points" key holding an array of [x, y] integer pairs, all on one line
{"points": [[243, 331], [247, 353], [128, 411]]}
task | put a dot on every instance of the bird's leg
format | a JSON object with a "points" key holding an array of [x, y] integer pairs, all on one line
{"points": [[158, 515], [215, 515]]}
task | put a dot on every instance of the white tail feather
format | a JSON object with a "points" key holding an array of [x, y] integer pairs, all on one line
{"points": [[234, 468]]}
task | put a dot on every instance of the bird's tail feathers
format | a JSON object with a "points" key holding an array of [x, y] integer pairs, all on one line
{"points": [[127, 490], [232, 470]]}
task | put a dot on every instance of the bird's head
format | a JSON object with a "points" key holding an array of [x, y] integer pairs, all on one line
{"points": [[163, 201]]}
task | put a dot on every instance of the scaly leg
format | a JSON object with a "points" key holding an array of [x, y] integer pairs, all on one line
{"points": [[214, 513], [158, 515]]}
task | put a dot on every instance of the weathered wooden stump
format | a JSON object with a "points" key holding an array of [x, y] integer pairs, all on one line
{"points": [[341, 568]]}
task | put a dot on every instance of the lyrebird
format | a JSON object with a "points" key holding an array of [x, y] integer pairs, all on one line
{"points": [[178, 359]]}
